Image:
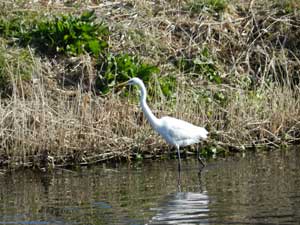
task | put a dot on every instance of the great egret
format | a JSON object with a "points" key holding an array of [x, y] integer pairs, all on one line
{"points": [[176, 132]]}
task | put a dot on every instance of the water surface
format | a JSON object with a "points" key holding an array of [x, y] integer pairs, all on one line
{"points": [[261, 188]]}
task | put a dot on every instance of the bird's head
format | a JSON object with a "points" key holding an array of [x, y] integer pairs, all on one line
{"points": [[134, 81]]}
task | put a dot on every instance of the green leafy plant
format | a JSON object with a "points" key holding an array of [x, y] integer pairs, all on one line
{"points": [[167, 85], [203, 64], [16, 26], [15, 66], [9, 28], [197, 6], [288, 6], [120, 68], [209, 97], [4, 78], [71, 35], [66, 34]]}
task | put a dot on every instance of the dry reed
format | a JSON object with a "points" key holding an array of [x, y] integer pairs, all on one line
{"points": [[255, 51]]}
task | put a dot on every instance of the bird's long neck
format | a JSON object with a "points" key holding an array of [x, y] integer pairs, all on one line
{"points": [[153, 120]]}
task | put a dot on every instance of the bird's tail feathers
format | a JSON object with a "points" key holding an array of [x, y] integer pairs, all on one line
{"points": [[203, 133]]}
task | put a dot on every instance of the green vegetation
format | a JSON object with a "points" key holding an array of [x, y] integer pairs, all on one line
{"points": [[74, 35], [236, 74], [66, 34], [70, 35], [120, 68], [197, 6], [201, 65], [288, 6], [16, 65]]}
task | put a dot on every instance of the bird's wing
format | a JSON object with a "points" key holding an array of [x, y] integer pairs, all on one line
{"points": [[182, 131]]}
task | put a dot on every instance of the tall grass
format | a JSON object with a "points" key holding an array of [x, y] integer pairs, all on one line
{"points": [[252, 102]]}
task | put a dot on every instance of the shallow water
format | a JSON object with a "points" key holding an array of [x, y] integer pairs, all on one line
{"points": [[261, 188]]}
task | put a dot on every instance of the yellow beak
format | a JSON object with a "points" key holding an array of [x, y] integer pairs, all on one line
{"points": [[121, 84]]}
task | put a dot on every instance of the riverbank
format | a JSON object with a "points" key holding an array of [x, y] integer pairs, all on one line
{"points": [[233, 68]]}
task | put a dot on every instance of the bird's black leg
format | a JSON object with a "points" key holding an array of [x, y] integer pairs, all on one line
{"points": [[179, 159], [200, 159]]}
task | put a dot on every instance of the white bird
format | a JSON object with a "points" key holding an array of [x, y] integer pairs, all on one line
{"points": [[176, 132]]}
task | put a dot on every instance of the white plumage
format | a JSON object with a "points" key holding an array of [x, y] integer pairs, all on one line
{"points": [[176, 132], [179, 132]]}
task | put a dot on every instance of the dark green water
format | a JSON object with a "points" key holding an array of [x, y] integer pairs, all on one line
{"points": [[261, 188]]}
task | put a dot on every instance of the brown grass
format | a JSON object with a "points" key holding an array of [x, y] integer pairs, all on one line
{"points": [[256, 51]]}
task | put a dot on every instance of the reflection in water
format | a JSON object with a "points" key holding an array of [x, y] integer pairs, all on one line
{"points": [[182, 207], [255, 189]]}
